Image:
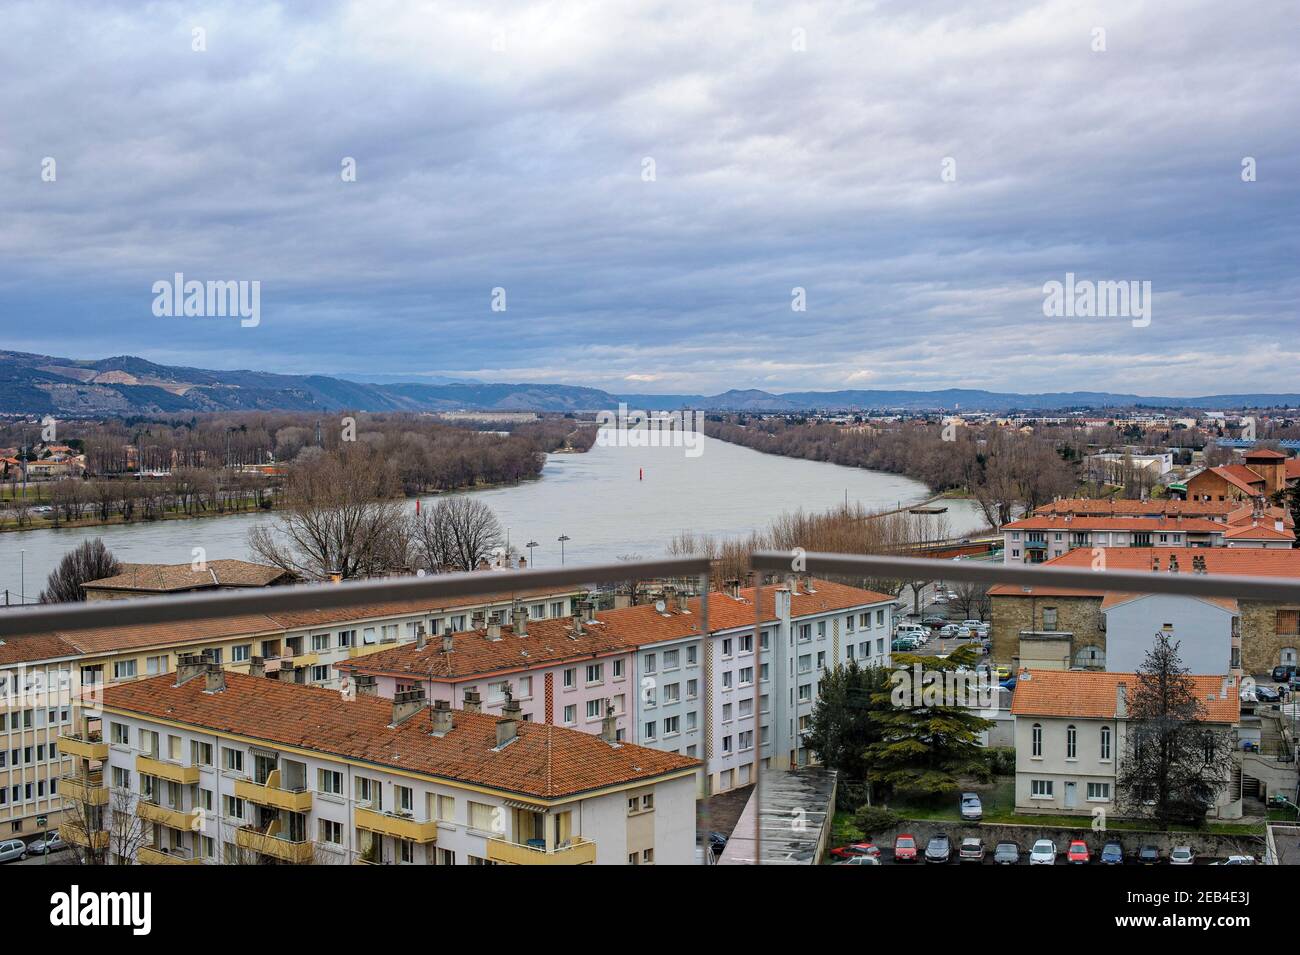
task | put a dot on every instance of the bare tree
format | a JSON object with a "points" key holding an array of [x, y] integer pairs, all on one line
{"points": [[126, 832], [90, 560], [455, 534]]}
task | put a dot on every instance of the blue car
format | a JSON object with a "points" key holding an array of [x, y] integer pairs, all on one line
{"points": [[1009, 684], [1112, 854]]}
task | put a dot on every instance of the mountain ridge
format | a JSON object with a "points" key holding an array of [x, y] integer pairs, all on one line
{"points": [[127, 385]]}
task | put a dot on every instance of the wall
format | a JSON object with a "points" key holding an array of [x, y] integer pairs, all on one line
{"points": [[1080, 616], [1203, 631]]}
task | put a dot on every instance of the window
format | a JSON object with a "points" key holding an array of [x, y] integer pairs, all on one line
{"points": [[156, 665], [671, 658], [726, 744], [692, 655], [595, 673], [726, 646], [746, 740], [200, 753], [1040, 788], [746, 676], [593, 709], [319, 641], [569, 678], [232, 760], [485, 818], [692, 689], [1036, 735], [241, 653], [405, 796], [445, 808], [1104, 752], [331, 832], [690, 721], [616, 667], [348, 637], [672, 725], [649, 730], [726, 680], [1099, 792], [120, 734], [1049, 618], [570, 714], [849, 624], [234, 808], [329, 781], [123, 669], [1071, 742], [320, 673]]}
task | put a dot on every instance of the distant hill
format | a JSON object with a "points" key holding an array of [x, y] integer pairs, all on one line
{"points": [[125, 385]]}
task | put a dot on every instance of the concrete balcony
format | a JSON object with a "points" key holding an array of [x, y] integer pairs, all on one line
{"points": [[271, 794], [364, 650], [578, 851], [399, 827], [88, 789], [172, 818], [272, 845], [165, 769], [148, 855], [301, 660], [83, 747], [73, 834]]}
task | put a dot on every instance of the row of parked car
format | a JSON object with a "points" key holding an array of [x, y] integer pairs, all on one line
{"points": [[12, 850], [939, 851]]}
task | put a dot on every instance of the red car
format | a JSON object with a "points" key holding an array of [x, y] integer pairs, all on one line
{"points": [[905, 847], [854, 849], [1078, 853]]}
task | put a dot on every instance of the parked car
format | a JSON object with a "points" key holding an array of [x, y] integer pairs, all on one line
{"points": [[905, 847], [1266, 694], [1182, 855], [1078, 853], [860, 860], [1283, 672], [1009, 684], [1006, 853], [1112, 853], [1237, 860], [1003, 671], [952, 595], [972, 810], [51, 843], [855, 849], [939, 599], [972, 850], [935, 621], [938, 850], [1148, 855], [717, 841], [973, 624], [1043, 853], [12, 849]]}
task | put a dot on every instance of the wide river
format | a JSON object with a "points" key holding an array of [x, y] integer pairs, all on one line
{"points": [[601, 500]]}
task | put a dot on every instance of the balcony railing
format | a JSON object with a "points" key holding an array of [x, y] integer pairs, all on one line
{"points": [[576, 851], [270, 842], [272, 793], [168, 770], [84, 746], [75, 834], [165, 816], [148, 855], [396, 825], [87, 788]]}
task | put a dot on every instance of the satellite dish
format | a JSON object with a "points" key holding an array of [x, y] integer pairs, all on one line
{"points": [[660, 606]]}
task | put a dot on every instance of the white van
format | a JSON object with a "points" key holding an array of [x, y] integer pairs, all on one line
{"points": [[12, 849]]}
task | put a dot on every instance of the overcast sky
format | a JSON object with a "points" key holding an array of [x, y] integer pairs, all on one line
{"points": [[793, 145]]}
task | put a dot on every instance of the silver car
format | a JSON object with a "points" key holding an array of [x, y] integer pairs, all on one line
{"points": [[12, 849]]}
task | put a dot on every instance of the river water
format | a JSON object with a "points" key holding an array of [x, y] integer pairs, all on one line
{"points": [[611, 502]]}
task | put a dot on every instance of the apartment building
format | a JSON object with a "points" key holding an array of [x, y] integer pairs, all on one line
{"points": [[209, 766], [1071, 732], [295, 646], [1263, 475], [670, 685], [1033, 624], [151, 580], [35, 709], [1033, 540]]}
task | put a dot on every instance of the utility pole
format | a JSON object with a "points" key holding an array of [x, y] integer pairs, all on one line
{"points": [[562, 538]]}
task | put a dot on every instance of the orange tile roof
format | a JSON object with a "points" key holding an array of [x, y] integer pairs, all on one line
{"points": [[1267, 454], [1259, 532], [169, 578], [544, 761], [1190, 525], [553, 641], [1163, 506], [1240, 476], [1292, 468], [1240, 561], [1089, 694], [35, 646]]}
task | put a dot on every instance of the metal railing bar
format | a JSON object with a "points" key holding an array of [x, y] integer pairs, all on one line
{"points": [[44, 618], [1184, 582]]}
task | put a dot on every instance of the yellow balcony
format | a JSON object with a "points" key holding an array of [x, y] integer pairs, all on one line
{"points": [[73, 834], [88, 789], [302, 660], [269, 844], [83, 747], [271, 794], [164, 769], [364, 650], [173, 818], [399, 827], [148, 855], [577, 852]]}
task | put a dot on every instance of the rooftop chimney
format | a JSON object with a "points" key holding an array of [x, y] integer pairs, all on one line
{"points": [[256, 666], [579, 616], [365, 685], [216, 678], [732, 588], [473, 702], [421, 636], [523, 562], [609, 725], [494, 630], [442, 720], [405, 705], [1121, 700], [519, 617], [681, 602], [478, 620], [508, 725], [670, 597], [190, 665], [446, 641], [336, 577]]}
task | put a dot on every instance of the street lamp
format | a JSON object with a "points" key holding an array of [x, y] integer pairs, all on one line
{"points": [[530, 545], [562, 538]]}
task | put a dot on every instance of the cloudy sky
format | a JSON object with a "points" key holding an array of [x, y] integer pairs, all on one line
{"points": [[511, 145]]}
